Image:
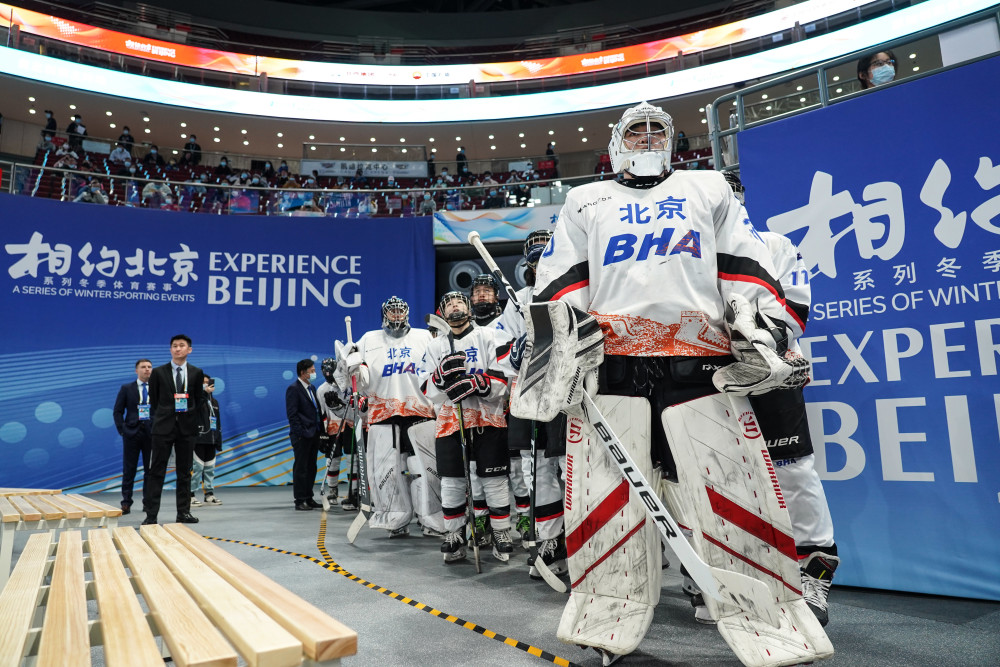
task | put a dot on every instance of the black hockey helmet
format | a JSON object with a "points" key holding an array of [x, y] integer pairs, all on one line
{"points": [[489, 308], [392, 323], [456, 319], [327, 367], [535, 244], [733, 178]]}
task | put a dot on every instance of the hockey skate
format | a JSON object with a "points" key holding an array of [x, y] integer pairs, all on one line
{"points": [[399, 532], [485, 532], [817, 575], [503, 546], [523, 529], [350, 503], [690, 589], [427, 531], [553, 553], [607, 657], [453, 546]]}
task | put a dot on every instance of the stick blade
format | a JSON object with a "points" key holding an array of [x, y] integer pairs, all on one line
{"points": [[359, 522], [554, 582], [747, 593]]}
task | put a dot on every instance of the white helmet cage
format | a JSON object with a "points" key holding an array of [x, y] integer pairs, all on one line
{"points": [[636, 145], [395, 326]]}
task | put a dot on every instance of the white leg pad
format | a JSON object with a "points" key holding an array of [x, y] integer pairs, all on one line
{"points": [[390, 492], [740, 523], [614, 551], [426, 490]]}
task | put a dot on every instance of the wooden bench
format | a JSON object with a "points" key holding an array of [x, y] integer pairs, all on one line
{"points": [[46, 509], [201, 606]]}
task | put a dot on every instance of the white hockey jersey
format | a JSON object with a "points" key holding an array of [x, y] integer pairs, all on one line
{"points": [[794, 279], [655, 266], [393, 387], [481, 345], [511, 320]]}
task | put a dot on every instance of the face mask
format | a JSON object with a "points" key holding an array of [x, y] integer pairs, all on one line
{"points": [[223, 163], [48, 138], [132, 170], [48, 115], [256, 181], [312, 376], [125, 132], [128, 163], [243, 175], [267, 166], [426, 197], [169, 200], [153, 151], [883, 74], [310, 181]]}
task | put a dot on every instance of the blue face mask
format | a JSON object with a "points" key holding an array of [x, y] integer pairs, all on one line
{"points": [[883, 74]]}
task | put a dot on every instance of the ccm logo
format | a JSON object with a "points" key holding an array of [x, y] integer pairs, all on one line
{"points": [[575, 431], [748, 422], [497, 469]]}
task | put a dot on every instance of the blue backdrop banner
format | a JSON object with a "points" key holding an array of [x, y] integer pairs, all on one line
{"points": [[896, 212], [87, 290]]}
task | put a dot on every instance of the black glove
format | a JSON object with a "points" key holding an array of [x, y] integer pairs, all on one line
{"points": [[468, 385], [333, 400], [451, 365], [325, 444], [517, 351]]}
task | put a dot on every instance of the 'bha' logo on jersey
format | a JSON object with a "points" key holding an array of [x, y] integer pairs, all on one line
{"points": [[748, 421], [622, 246], [398, 368]]}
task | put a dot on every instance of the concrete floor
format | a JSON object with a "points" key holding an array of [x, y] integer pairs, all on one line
{"points": [[871, 628]]}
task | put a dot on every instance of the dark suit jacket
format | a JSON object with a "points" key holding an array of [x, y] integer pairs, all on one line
{"points": [[161, 399], [126, 412], [303, 416]]}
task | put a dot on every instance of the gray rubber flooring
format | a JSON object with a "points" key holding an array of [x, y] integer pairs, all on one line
{"points": [[870, 628]]}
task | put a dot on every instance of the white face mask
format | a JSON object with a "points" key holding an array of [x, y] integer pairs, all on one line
{"points": [[312, 376], [883, 74]]}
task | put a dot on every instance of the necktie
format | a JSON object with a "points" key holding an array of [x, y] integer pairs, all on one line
{"points": [[145, 396], [179, 381]]}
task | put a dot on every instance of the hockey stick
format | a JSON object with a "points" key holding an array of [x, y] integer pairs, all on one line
{"points": [[325, 488], [469, 506], [722, 585], [548, 575], [358, 449]]}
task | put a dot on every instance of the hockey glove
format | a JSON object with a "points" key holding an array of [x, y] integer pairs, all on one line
{"points": [[451, 366], [517, 351], [469, 385], [363, 404], [333, 400], [325, 444]]}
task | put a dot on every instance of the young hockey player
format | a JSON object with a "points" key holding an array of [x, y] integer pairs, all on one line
{"points": [[385, 363], [460, 368], [336, 436]]}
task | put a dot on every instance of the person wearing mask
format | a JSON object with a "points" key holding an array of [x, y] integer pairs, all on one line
{"points": [[50, 124], [206, 445], [119, 155], [75, 132], [496, 199], [427, 205], [132, 419], [303, 411], [194, 149], [223, 170], [431, 168], [153, 157], [463, 162], [682, 142], [127, 139], [269, 174], [877, 69]]}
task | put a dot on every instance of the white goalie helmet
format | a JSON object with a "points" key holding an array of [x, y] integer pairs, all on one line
{"points": [[641, 142]]}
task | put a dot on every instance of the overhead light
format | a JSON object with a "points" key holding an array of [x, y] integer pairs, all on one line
{"points": [[112, 125], [216, 128], [174, 152], [491, 136], [584, 140], [216, 139], [702, 109], [145, 119], [403, 151], [802, 99], [374, 150], [916, 69], [912, 56], [431, 140], [31, 99], [312, 148], [148, 130], [107, 113], [280, 134], [246, 143], [342, 149], [493, 148], [768, 107], [402, 140], [798, 88], [434, 150], [839, 90], [312, 137], [243, 131], [184, 136], [523, 146], [72, 106], [703, 121], [342, 139], [281, 145], [611, 124], [31, 111], [184, 124], [458, 138], [579, 129], [372, 139], [551, 132], [553, 143], [521, 135], [836, 78]]}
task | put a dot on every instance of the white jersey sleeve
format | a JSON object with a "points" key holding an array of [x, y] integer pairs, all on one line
{"points": [[513, 323], [655, 266], [794, 278], [393, 386]]}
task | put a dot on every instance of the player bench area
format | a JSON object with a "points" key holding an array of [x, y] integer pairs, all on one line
{"points": [[161, 591], [46, 509]]}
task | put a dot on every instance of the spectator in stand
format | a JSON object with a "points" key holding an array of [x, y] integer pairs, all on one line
{"points": [[488, 179], [120, 154], [125, 168], [360, 181], [244, 178], [255, 181], [126, 138], [431, 168], [154, 194], [289, 183], [194, 149], [169, 204], [445, 176], [75, 132], [66, 158], [877, 69], [222, 171], [153, 158], [50, 124], [496, 199], [269, 174], [550, 153], [283, 175], [46, 143], [682, 143], [91, 194], [427, 205], [463, 162]]}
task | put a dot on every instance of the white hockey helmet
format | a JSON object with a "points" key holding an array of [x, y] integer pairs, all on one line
{"points": [[395, 316], [641, 142]]}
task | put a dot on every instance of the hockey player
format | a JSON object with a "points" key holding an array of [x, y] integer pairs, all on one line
{"points": [[550, 437], [385, 363], [335, 433], [460, 368], [655, 256], [782, 418]]}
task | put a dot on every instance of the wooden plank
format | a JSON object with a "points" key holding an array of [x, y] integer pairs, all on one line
{"points": [[128, 641], [8, 491], [88, 509], [27, 510], [20, 597], [49, 511], [8, 513], [65, 640], [323, 636], [191, 637], [261, 641], [70, 510], [106, 510]]}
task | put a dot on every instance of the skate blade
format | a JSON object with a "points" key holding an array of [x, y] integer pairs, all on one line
{"points": [[502, 557]]}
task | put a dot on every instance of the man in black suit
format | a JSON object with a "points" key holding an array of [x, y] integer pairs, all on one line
{"points": [[177, 400], [302, 408], [132, 419]]}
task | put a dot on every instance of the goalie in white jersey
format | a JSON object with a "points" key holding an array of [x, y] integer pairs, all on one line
{"points": [[386, 362], [658, 258]]}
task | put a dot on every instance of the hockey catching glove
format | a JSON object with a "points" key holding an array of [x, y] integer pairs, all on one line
{"points": [[451, 366], [468, 385]]}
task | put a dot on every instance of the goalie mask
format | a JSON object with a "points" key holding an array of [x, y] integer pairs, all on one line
{"points": [[328, 366], [641, 141], [395, 317], [455, 308], [484, 295], [534, 246], [733, 178]]}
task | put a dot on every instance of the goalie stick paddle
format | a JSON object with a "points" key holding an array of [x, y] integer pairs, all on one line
{"points": [[730, 587], [364, 497]]}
